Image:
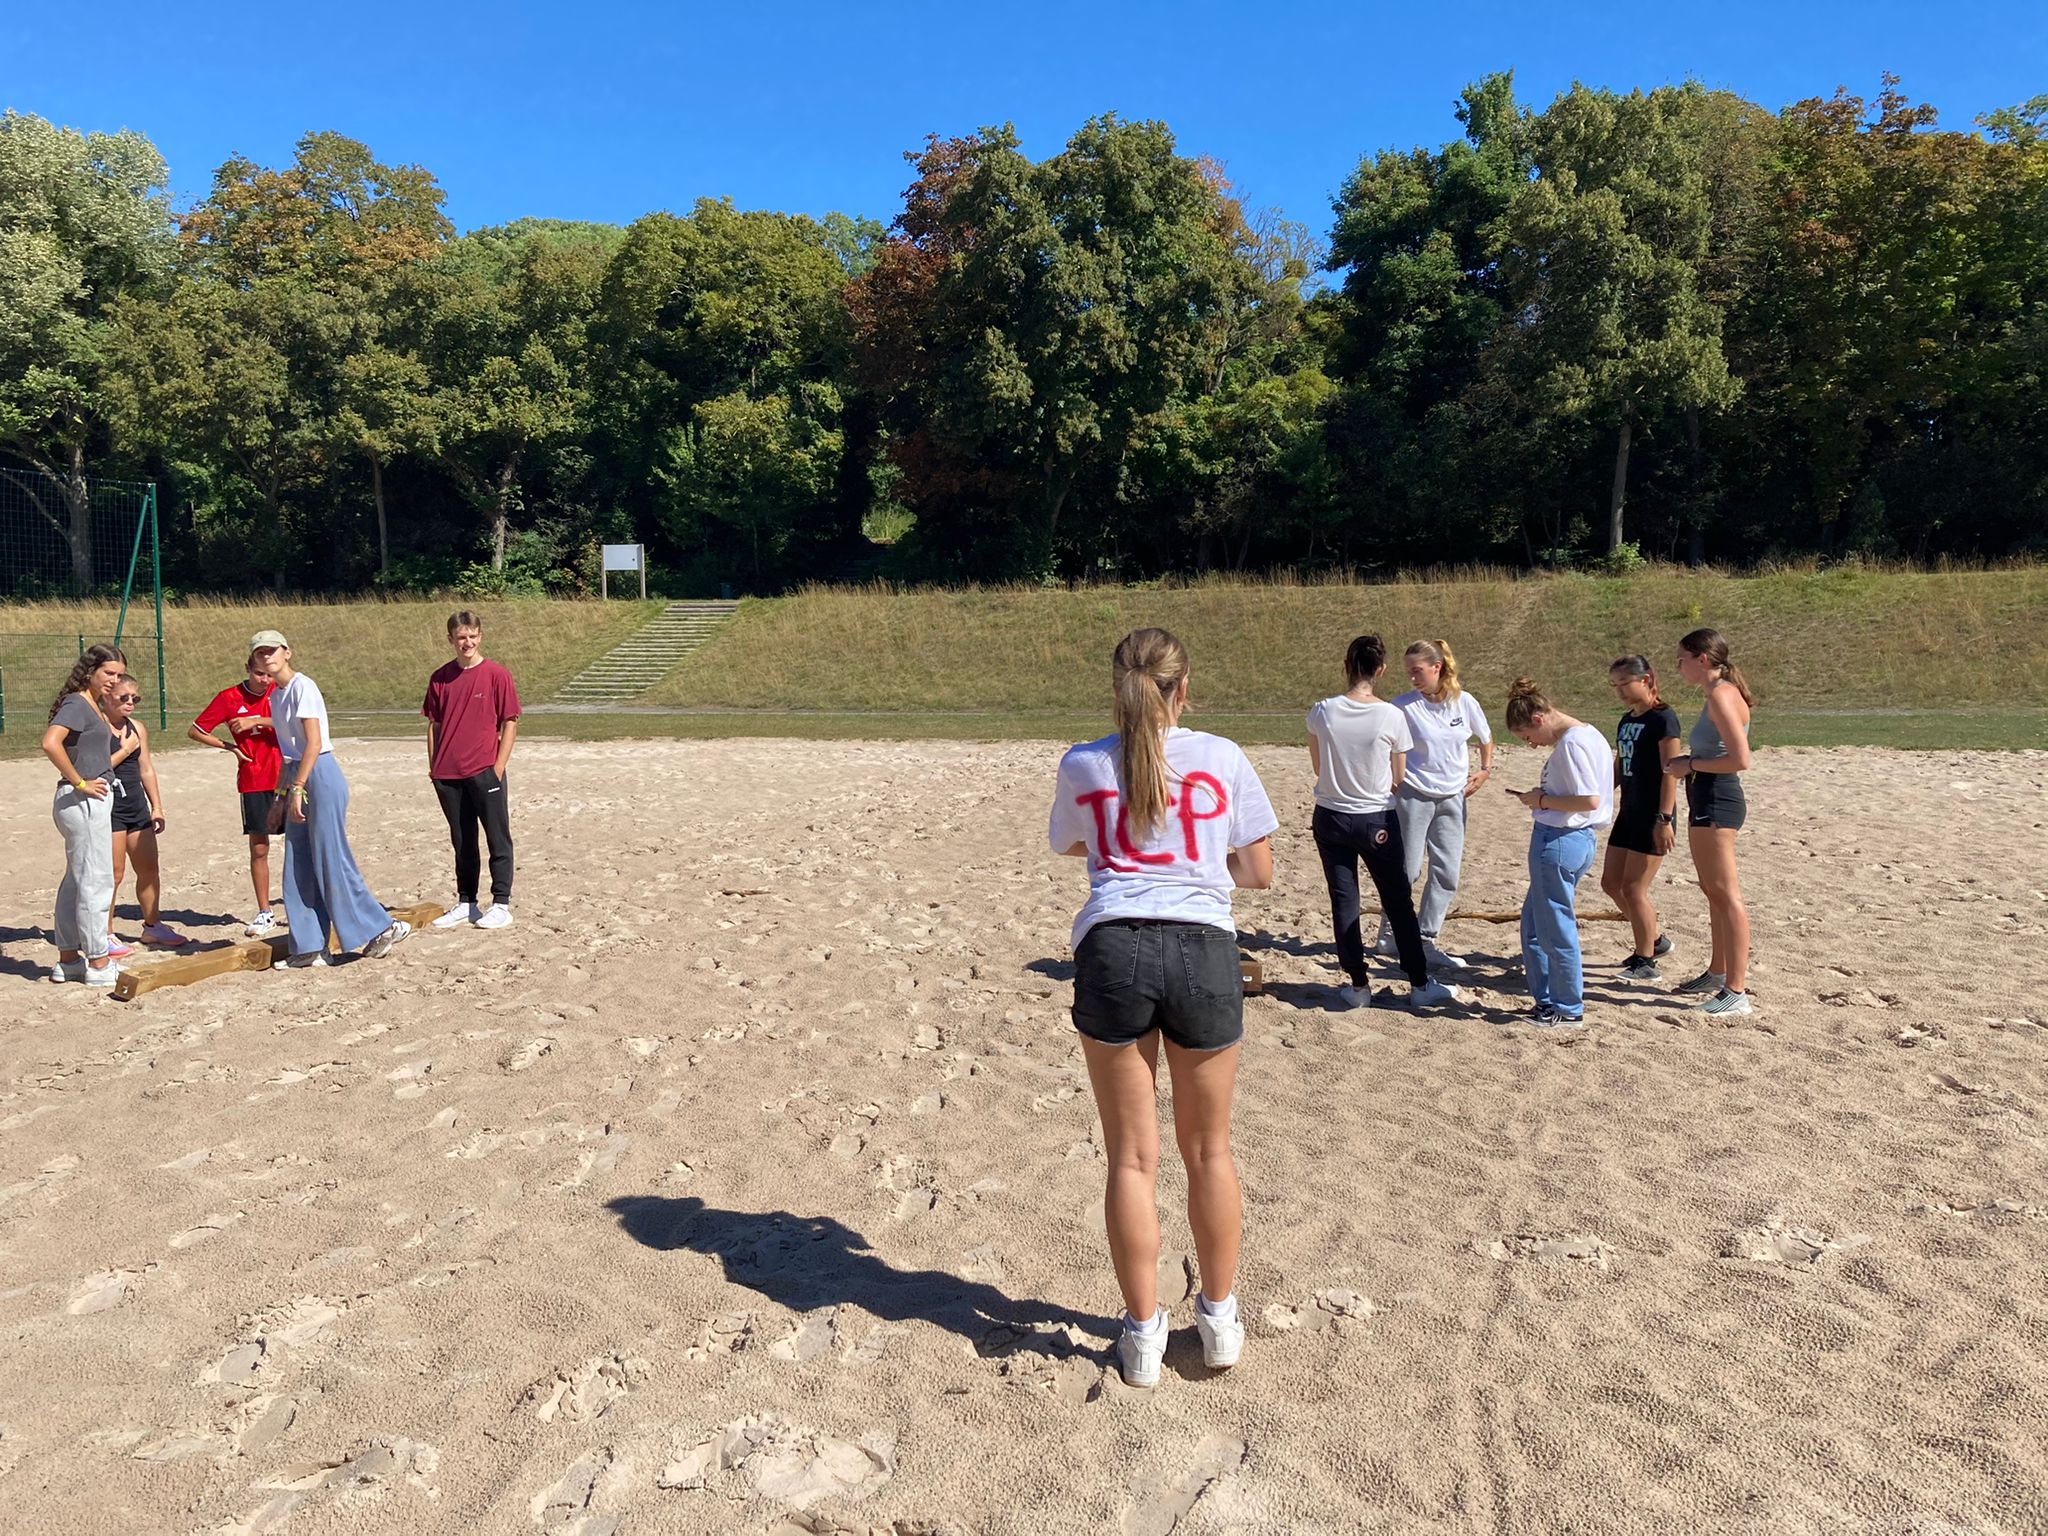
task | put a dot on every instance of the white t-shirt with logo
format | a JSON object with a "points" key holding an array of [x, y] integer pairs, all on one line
{"points": [[291, 706], [1580, 764], [1177, 874], [1356, 742], [1443, 731]]}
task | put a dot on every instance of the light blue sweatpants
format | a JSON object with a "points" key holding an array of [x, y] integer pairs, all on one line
{"points": [[323, 889]]}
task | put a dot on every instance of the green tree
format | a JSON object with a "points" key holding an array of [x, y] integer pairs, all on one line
{"points": [[83, 221]]}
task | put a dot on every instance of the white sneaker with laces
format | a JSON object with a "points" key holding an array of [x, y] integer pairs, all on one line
{"points": [[311, 960], [68, 970], [388, 940], [1222, 1334], [1439, 960], [1138, 1354], [1434, 994], [1384, 946], [462, 912], [497, 915], [262, 925], [103, 975], [1354, 997]]}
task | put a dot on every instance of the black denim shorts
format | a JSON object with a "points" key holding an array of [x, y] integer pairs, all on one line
{"points": [[1132, 977]]}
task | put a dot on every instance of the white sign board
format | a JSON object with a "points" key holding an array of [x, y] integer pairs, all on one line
{"points": [[622, 557]]}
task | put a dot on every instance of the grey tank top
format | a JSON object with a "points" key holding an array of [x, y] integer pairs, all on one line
{"points": [[1706, 739]]}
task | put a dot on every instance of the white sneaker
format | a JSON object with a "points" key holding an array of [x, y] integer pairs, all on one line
{"points": [[1439, 960], [262, 925], [311, 960], [1354, 997], [68, 970], [388, 940], [462, 912], [102, 976], [1138, 1354], [1222, 1336], [1435, 994], [163, 935], [498, 915], [1384, 946]]}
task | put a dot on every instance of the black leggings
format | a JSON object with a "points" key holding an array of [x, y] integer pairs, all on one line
{"points": [[466, 802], [1343, 838]]}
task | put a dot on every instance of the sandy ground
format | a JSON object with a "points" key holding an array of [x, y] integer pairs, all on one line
{"points": [[751, 1183]]}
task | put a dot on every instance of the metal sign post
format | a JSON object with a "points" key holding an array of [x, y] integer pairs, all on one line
{"points": [[622, 557]]}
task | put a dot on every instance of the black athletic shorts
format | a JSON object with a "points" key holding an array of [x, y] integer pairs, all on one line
{"points": [[1635, 831], [256, 804], [131, 812], [1132, 976], [1715, 800]]}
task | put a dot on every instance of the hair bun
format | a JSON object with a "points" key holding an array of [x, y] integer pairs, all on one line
{"points": [[1523, 688]]}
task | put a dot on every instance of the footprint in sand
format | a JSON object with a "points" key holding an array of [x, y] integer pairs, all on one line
{"points": [[519, 1058], [206, 1229], [782, 1460], [1552, 1248], [588, 1392], [564, 1509], [105, 1289], [726, 1334], [1161, 1497], [1773, 1242], [361, 1476], [809, 1338], [273, 1335], [1320, 1311], [1981, 1208]]}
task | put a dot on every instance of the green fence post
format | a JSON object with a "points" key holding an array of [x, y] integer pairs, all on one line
{"points": [[3, 699], [156, 564], [128, 586]]}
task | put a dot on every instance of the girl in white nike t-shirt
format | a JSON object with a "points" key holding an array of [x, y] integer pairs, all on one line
{"points": [[1170, 821]]}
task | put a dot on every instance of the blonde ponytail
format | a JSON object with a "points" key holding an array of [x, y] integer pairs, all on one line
{"points": [[1437, 653], [1150, 664]]}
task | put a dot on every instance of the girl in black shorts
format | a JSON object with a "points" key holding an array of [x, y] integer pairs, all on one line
{"points": [[138, 818], [1715, 811], [1645, 817], [1169, 820]]}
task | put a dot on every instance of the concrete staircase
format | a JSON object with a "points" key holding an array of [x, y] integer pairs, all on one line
{"points": [[647, 655]]}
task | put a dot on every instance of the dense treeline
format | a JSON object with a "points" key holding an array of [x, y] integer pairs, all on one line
{"points": [[1668, 324]]}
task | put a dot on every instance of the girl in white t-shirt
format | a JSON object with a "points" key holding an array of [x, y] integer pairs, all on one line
{"points": [[1170, 821], [1573, 798], [323, 889], [1445, 720]]}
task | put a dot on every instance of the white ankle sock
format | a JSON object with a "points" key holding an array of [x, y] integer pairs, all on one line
{"points": [[1226, 1308], [1154, 1324]]}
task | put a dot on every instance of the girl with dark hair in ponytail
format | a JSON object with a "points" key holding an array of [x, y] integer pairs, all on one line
{"points": [[1169, 820], [1715, 811], [79, 743]]}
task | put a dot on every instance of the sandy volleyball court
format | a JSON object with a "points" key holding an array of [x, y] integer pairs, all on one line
{"points": [[751, 1183]]}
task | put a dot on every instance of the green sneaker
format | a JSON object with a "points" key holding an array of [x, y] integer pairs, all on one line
{"points": [[1726, 1002], [1702, 984]]}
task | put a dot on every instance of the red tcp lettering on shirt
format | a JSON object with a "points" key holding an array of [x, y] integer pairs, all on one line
{"points": [[1184, 807]]}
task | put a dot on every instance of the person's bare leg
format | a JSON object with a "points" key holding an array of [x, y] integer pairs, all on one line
{"points": [[1640, 870], [120, 874], [1203, 1085], [148, 877], [1706, 863], [1125, 1080], [1731, 917], [259, 871]]}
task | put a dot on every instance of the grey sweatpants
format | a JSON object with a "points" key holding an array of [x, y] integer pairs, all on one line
{"points": [[85, 896], [1435, 828]]}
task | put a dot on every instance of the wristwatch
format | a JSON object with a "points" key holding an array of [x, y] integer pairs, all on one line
{"points": [[1669, 818]]}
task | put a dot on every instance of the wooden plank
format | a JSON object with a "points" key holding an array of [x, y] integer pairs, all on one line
{"points": [[1515, 916], [1254, 977], [245, 955]]}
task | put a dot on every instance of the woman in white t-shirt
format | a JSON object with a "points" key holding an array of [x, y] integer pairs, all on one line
{"points": [[323, 889], [1572, 800], [1445, 720], [1170, 821], [1358, 744]]}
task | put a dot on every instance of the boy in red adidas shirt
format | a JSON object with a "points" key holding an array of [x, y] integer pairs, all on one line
{"points": [[244, 709]]}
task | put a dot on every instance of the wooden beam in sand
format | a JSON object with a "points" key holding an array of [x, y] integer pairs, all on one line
{"points": [[1254, 977], [1515, 916], [247, 955]]}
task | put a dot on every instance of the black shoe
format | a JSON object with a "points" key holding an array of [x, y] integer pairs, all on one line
{"points": [[1641, 968], [1661, 948]]}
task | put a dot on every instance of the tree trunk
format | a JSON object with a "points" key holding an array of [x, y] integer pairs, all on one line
{"points": [[383, 528], [1620, 496], [501, 511], [78, 503]]}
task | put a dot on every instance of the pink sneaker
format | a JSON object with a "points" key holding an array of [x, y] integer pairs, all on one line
{"points": [[163, 936], [117, 949]]}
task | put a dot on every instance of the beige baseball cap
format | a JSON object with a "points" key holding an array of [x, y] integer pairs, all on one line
{"points": [[267, 637]]}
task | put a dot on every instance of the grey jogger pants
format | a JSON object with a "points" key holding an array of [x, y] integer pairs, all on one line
{"points": [[1435, 828], [85, 896]]}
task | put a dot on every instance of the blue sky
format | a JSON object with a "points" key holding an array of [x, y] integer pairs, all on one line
{"points": [[610, 109]]}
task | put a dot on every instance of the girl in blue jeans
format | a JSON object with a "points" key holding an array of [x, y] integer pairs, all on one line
{"points": [[1572, 800]]}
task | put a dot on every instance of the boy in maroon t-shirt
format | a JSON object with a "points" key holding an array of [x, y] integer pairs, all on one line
{"points": [[244, 708], [472, 712]]}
